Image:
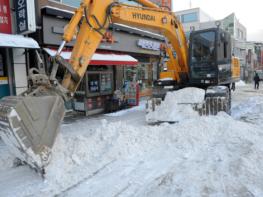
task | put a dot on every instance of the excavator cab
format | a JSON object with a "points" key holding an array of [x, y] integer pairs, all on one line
{"points": [[209, 58], [210, 68]]}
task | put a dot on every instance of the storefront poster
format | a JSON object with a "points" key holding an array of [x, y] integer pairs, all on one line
{"points": [[5, 18]]}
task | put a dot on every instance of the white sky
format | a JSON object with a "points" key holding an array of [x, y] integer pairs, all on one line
{"points": [[249, 12]]}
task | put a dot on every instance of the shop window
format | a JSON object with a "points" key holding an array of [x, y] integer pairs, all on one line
{"points": [[191, 17], [94, 83], [143, 74], [99, 83], [106, 82], [129, 74]]}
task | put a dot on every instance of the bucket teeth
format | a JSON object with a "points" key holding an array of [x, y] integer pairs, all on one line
{"points": [[29, 126]]}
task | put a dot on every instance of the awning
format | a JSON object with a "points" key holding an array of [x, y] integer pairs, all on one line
{"points": [[101, 59], [17, 41]]}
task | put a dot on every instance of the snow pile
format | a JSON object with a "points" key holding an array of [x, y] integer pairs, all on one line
{"points": [[177, 106], [203, 156], [215, 156], [240, 83], [6, 158], [78, 155], [133, 109], [200, 156]]}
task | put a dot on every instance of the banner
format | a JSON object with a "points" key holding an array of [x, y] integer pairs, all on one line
{"points": [[5, 18]]}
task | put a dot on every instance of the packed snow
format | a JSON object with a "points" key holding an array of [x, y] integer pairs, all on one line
{"points": [[241, 83], [177, 106], [115, 156], [141, 107]]}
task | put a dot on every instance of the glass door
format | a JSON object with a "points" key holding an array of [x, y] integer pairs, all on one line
{"points": [[4, 88]]}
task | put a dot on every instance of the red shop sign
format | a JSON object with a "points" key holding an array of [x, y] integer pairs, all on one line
{"points": [[5, 18]]}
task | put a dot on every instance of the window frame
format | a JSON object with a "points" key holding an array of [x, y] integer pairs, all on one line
{"points": [[189, 14]]}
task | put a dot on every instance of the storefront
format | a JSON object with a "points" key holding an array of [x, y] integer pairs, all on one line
{"points": [[13, 63], [5, 27], [121, 44], [99, 82], [13, 49]]}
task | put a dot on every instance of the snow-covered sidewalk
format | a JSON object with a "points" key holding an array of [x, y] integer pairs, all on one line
{"points": [[120, 155]]}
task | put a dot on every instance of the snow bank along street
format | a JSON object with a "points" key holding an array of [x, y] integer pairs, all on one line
{"points": [[120, 155]]}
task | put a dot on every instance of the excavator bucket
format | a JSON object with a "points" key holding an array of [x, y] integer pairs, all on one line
{"points": [[29, 126]]}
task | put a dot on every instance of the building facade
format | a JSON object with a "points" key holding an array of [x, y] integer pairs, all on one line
{"points": [[14, 48], [105, 76], [192, 18]]}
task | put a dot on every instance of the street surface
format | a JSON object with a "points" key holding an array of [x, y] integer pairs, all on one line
{"points": [[120, 155]]}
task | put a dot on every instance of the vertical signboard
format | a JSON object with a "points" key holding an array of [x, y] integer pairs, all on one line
{"points": [[25, 16], [5, 18]]}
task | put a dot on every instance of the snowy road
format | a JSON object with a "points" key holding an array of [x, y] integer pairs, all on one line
{"points": [[119, 155]]}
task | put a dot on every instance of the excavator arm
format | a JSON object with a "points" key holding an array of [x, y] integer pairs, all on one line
{"points": [[30, 122], [97, 17]]}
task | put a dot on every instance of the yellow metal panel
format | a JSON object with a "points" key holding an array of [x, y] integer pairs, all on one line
{"points": [[167, 74], [147, 3], [163, 21], [3, 78], [235, 67]]}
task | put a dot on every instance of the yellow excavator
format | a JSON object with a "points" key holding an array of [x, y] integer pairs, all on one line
{"points": [[29, 123]]}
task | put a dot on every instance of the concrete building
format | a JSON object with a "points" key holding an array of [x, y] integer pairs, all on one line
{"points": [[192, 18]]}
